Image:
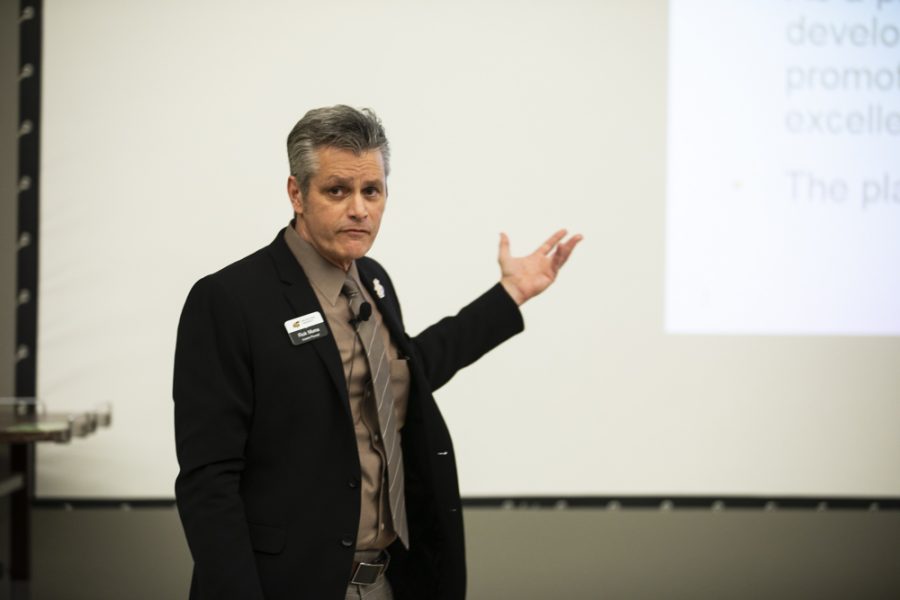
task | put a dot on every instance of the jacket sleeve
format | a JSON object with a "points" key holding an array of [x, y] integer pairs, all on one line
{"points": [[213, 396], [456, 342]]}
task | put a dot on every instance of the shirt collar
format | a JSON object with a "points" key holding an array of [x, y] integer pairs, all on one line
{"points": [[324, 276]]}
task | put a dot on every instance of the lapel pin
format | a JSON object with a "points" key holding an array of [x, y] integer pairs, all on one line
{"points": [[379, 289]]}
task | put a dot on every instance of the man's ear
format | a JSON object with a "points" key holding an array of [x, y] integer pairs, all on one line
{"points": [[294, 193]]}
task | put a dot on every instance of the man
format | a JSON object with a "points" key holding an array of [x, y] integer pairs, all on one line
{"points": [[314, 460]]}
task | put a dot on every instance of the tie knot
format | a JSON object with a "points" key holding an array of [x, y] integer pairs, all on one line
{"points": [[350, 288]]}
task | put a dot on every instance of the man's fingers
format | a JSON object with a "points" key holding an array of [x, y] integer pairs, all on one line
{"points": [[548, 246], [570, 244], [565, 250], [504, 247]]}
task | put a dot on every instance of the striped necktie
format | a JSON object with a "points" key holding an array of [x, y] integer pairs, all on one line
{"points": [[380, 370]]}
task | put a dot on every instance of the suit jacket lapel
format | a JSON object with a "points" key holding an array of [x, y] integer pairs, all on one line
{"points": [[303, 300], [390, 316]]}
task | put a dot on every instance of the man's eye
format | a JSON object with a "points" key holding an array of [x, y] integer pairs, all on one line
{"points": [[336, 190], [371, 191]]}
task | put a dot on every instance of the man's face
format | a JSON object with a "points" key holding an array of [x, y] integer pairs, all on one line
{"points": [[341, 213]]}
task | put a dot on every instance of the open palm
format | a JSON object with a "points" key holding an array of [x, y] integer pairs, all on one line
{"points": [[527, 276]]}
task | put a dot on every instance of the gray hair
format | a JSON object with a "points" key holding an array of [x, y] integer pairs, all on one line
{"points": [[338, 127]]}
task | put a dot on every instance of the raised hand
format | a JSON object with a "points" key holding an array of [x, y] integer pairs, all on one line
{"points": [[525, 277]]}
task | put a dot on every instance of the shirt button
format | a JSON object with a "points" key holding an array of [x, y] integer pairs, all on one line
{"points": [[346, 542], [352, 483], [377, 437], [382, 526]]}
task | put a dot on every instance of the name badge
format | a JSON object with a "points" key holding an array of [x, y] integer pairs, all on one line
{"points": [[306, 328]]}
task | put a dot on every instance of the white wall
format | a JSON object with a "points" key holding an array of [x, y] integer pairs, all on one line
{"points": [[163, 160]]}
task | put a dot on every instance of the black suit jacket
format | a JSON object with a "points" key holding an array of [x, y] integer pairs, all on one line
{"points": [[268, 490]]}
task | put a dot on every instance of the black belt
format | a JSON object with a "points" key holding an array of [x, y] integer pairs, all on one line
{"points": [[367, 572]]}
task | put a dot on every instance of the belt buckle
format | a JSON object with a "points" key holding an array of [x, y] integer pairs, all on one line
{"points": [[367, 573]]}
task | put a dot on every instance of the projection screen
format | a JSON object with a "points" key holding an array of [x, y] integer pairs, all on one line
{"points": [[728, 327]]}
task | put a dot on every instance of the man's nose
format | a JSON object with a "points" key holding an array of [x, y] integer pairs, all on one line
{"points": [[357, 208]]}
